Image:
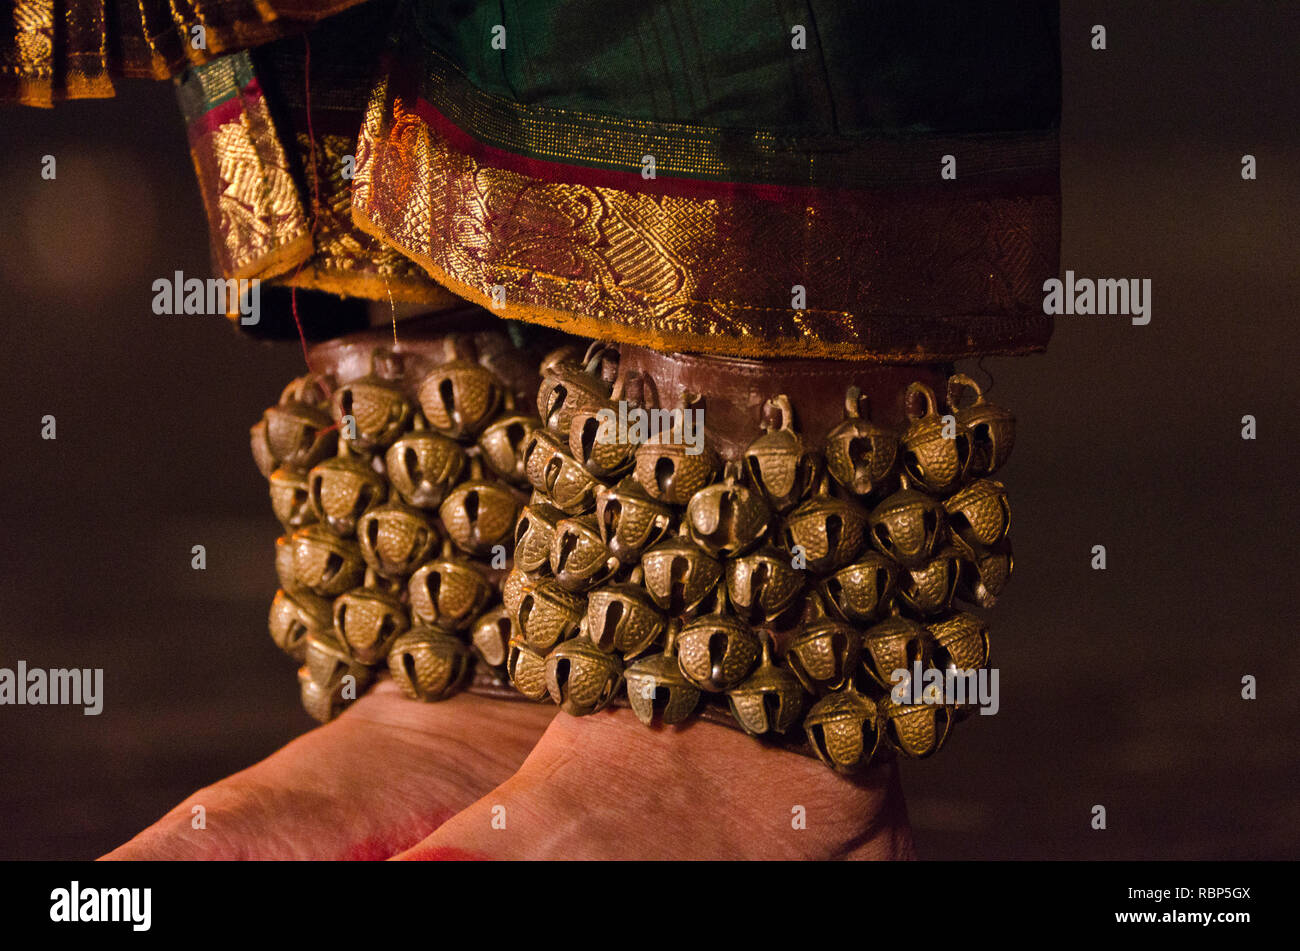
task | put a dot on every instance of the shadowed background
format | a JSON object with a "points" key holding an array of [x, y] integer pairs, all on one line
{"points": [[1119, 687]]}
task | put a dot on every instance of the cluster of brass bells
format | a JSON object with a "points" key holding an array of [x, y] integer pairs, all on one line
{"points": [[787, 584], [398, 498]]}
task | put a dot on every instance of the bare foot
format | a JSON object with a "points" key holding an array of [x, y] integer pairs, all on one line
{"points": [[381, 777], [607, 787]]}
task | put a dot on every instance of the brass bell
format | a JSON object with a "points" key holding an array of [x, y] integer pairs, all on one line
{"points": [[769, 700], [526, 668], [777, 462], [895, 644], [717, 652], [990, 429], [552, 471], [517, 583], [534, 533], [861, 591], [459, 397], [478, 515], [763, 584], [829, 531], [932, 459], [669, 470], [568, 388], [448, 592], [325, 564], [727, 518], [423, 465], [289, 499], [908, 527], [299, 431], [581, 678], [630, 521], [376, 403], [985, 574], [622, 617], [491, 636], [860, 454], [549, 614], [367, 619], [329, 679], [428, 664], [916, 730], [929, 590], [578, 558], [679, 575], [342, 489], [293, 617], [395, 539], [601, 452], [963, 642], [284, 565], [824, 652], [502, 445], [655, 686], [841, 729], [261, 447], [979, 513]]}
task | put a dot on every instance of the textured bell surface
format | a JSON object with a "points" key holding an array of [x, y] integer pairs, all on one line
{"points": [[578, 558], [727, 518], [289, 499], [841, 729], [895, 644], [908, 527], [916, 730], [502, 446], [423, 465], [963, 641], [581, 678], [979, 513], [990, 429], [679, 575], [428, 664], [929, 589], [516, 584], [656, 688], [630, 521], [777, 462], [770, 700], [325, 564], [293, 617], [763, 584], [395, 539], [261, 448], [717, 652], [526, 668], [479, 515], [623, 618], [861, 591], [298, 434], [594, 442], [985, 574], [284, 565], [448, 593], [549, 614], [552, 471], [859, 454], [829, 531], [491, 634], [344, 488], [323, 702], [366, 620], [569, 387], [534, 532], [933, 458], [379, 409], [824, 655], [672, 472], [460, 398]]}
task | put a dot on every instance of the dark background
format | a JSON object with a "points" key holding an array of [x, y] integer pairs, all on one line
{"points": [[1119, 687]]}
